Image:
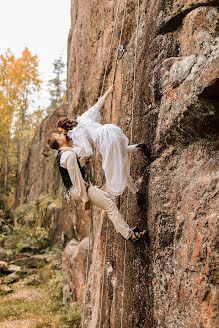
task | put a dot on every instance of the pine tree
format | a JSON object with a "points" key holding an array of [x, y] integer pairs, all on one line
{"points": [[57, 85]]}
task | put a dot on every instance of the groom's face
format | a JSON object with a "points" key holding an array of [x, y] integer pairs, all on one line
{"points": [[61, 138]]}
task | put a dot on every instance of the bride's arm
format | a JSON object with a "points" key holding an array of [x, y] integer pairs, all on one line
{"points": [[82, 146], [107, 93], [92, 114]]}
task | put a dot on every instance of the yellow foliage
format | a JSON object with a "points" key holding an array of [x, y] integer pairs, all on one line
{"points": [[19, 80]]}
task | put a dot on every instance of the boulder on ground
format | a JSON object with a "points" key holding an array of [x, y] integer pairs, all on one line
{"points": [[4, 267], [73, 269], [5, 290], [34, 261], [14, 268], [12, 277]]}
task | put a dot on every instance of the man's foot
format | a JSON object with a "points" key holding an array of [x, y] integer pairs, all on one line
{"points": [[144, 149], [137, 235], [140, 198]]}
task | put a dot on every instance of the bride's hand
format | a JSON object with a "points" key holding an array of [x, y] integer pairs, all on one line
{"points": [[108, 92], [111, 89]]}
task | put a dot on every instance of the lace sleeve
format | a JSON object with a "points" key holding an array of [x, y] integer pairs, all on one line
{"points": [[92, 114], [79, 137]]}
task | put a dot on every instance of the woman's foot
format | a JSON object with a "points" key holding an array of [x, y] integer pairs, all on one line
{"points": [[144, 149]]}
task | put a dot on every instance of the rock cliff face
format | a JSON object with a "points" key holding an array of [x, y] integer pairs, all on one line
{"points": [[39, 174], [169, 282]]}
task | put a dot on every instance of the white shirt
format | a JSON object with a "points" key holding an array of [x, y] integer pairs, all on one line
{"points": [[69, 161]]}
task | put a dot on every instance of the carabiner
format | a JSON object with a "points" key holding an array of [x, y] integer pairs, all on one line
{"points": [[120, 49]]}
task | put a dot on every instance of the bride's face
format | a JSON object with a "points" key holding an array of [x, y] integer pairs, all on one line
{"points": [[62, 131]]}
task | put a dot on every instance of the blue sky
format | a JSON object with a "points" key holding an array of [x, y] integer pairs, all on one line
{"points": [[40, 25]]}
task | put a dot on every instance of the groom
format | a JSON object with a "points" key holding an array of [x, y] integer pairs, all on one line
{"points": [[74, 179]]}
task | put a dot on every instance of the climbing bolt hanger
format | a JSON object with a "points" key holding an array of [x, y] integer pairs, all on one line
{"points": [[122, 50], [120, 54]]}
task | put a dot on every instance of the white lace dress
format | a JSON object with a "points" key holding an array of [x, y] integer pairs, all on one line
{"points": [[109, 140]]}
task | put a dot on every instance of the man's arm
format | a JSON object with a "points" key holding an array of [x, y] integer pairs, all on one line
{"points": [[76, 177]]}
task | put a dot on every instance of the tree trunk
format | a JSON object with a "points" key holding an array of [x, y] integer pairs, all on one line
{"points": [[16, 200], [6, 163]]}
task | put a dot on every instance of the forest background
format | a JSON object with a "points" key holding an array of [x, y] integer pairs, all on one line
{"points": [[20, 85], [33, 55]]}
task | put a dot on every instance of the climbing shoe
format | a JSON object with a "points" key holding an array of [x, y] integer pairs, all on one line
{"points": [[138, 234], [144, 149], [140, 198]]}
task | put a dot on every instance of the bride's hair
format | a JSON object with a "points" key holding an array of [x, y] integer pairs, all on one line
{"points": [[67, 124]]}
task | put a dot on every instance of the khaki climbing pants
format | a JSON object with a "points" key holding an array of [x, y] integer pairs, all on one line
{"points": [[106, 202]]}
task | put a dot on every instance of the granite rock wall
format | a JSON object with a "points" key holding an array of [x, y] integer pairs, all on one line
{"points": [[171, 280]]}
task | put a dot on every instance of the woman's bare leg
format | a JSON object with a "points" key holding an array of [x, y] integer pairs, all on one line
{"points": [[131, 185], [133, 148], [139, 147]]}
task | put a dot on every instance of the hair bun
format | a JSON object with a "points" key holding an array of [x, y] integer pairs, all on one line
{"points": [[67, 124]]}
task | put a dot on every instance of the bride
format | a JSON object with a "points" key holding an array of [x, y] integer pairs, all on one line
{"points": [[87, 133]]}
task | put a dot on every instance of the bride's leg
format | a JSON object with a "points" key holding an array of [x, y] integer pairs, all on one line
{"points": [[130, 182], [133, 148], [139, 147], [131, 185]]}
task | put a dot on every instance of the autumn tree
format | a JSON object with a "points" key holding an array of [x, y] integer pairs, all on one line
{"points": [[19, 82], [8, 105], [28, 82]]}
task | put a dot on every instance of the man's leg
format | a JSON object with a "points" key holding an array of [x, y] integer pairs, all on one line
{"points": [[105, 201]]}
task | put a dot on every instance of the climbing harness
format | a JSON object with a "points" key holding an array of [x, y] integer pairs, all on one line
{"points": [[67, 195]]}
